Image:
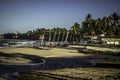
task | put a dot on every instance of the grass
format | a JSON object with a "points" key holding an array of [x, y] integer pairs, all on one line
{"points": [[103, 49], [89, 73], [17, 54], [19, 58], [97, 48], [54, 52], [15, 60], [101, 71], [2, 79]]}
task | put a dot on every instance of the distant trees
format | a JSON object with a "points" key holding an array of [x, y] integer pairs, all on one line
{"points": [[115, 23], [1, 37], [9, 35], [75, 32], [108, 25], [41, 37], [87, 25]]}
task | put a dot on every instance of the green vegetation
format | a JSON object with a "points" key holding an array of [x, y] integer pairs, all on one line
{"points": [[89, 73], [107, 68], [59, 59], [19, 58], [24, 55], [54, 52], [17, 54], [109, 26], [2, 79]]}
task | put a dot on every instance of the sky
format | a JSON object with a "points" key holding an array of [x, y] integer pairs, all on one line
{"points": [[25, 15]]}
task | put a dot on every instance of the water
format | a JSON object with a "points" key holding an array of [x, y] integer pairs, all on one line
{"points": [[18, 43], [6, 43]]}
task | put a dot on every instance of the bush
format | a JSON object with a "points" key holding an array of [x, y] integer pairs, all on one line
{"points": [[102, 42], [118, 46], [64, 45], [3, 41]]}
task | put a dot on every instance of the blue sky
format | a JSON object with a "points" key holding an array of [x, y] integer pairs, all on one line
{"points": [[24, 15]]}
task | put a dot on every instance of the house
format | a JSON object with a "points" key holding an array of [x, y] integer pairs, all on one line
{"points": [[96, 39], [111, 40]]}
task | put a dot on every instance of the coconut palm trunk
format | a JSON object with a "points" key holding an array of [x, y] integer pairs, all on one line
{"points": [[58, 36], [66, 38], [63, 37], [70, 37], [41, 38], [49, 35], [54, 37]]}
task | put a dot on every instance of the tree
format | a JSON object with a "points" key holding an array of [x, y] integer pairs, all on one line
{"points": [[87, 25], [1, 36], [58, 36], [9, 35], [62, 36], [41, 38], [116, 26], [54, 35], [49, 35], [75, 29], [66, 39]]}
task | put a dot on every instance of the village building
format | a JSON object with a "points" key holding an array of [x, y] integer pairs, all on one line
{"points": [[107, 40]]}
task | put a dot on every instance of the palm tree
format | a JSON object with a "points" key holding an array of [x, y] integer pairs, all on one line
{"points": [[41, 38], [87, 25], [115, 27], [49, 35], [63, 32], [115, 20], [54, 35], [29, 34], [71, 34], [63, 36], [75, 29], [1, 36], [66, 38], [58, 36]]}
